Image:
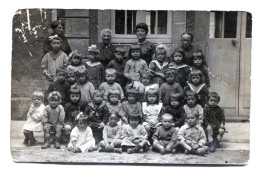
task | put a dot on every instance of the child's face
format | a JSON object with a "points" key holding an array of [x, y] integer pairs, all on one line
{"points": [[177, 57], [191, 120], [61, 77], [75, 61], [134, 121], [186, 41], [110, 78], [92, 57], [131, 98], [197, 61], [160, 56], [54, 102], [36, 101], [82, 125], [113, 119], [146, 80], [195, 79], [82, 78], [169, 77], [166, 122], [119, 56], [113, 98], [175, 103], [135, 54], [151, 98], [191, 101], [71, 79], [213, 102], [98, 98], [140, 34], [74, 98], [56, 45]]}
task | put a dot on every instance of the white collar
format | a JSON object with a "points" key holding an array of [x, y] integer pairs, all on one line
{"points": [[92, 64], [159, 65], [196, 88], [175, 66]]}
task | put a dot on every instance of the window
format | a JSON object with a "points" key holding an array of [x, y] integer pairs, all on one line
{"points": [[157, 22], [248, 25], [125, 21]]}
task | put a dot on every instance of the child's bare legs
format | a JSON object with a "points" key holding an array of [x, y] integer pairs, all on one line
{"points": [[58, 129], [158, 147], [46, 129], [221, 132], [138, 147], [148, 129], [185, 145], [209, 133], [116, 147]]}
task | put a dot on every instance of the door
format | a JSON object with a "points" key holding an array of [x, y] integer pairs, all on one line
{"points": [[229, 61]]}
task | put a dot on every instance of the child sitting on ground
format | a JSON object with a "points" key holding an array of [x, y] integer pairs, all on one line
{"points": [[192, 106], [192, 137], [135, 66], [199, 62], [97, 112], [151, 111], [134, 135], [175, 108], [165, 137], [72, 109], [114, 105], [76, 62], [111, 84], [214, 121], [94, 67], [169, 86], [53, 117], [182, 69], [60, 85], [34, 117], [118, 63], [111, 135], [196, 84], [81, 137], [158, 66]]}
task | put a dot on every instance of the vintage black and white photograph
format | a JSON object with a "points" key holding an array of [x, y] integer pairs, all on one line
{"points": [[131, 86]]}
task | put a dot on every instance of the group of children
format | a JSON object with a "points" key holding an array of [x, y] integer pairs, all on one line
{"points": [[128, 105]]}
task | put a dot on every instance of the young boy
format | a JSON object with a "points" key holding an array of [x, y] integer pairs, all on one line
{"points": [[214, 121], [53, 117], [97, 112], [169, 86], [118, 63], [165, 137], [60, 85], [71, 77], [192, 136], [110, 84]]}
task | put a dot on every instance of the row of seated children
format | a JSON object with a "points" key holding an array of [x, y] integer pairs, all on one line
{"points": [[133, 131]]}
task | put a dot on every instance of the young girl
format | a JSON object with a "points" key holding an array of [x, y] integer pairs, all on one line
{"points": [[199, 62], [175, 108], [114, 105], [131, 105], [192, 136], [134, 135], [71, 77], [81, 137], [169, 86], [178, 63], [76, 62], [34, 117], [146, 79], [158, 66], [192, 106], [151, 111], [54, 59], [196, 84], [95, 69], [53, 118], [111, 135], [86, 87], [135, 66]]}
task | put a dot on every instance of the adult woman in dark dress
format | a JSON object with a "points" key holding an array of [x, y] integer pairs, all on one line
{"points": [[58, 29]]}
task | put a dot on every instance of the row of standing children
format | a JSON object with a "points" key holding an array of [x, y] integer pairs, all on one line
{"points": [[147, 97]]}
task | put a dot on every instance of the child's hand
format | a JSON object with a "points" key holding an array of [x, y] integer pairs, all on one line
{"points": [[49, 76], [137, 141], [101, 125], [188, 142], [222, 126], [168, 148], [173, 125]]}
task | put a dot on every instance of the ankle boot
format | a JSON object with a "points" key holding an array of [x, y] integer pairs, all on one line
{"points": [[32, 139], [46, 143], [26, 139], [57, 143]]}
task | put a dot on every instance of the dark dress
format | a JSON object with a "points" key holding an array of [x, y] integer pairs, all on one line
{"points": [[119, 67], [96, 73], [106, 53], [148, 50]]}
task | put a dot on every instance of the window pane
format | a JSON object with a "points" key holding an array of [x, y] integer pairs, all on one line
{"points": [[131, 21], [162, 22], [230, 24], [248, 25], [152, 22], [120, 22]]}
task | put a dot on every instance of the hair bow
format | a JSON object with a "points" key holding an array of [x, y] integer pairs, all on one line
{"points": [[52, 37], [79, 115]]}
